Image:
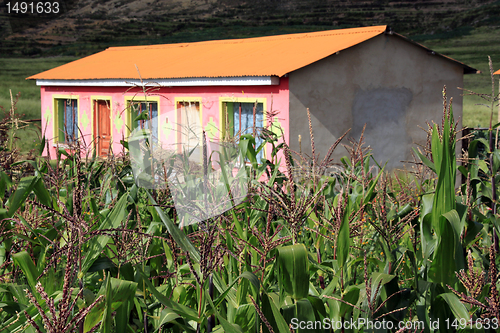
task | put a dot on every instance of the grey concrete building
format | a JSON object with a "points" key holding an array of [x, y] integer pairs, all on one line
{"points": [[388, 82]]}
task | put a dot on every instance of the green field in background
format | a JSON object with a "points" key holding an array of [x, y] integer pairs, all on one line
{"points": [[473, 49], [13, 76]]}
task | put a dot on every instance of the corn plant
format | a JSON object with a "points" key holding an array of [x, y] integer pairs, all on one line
{"points": [[85, 247]]}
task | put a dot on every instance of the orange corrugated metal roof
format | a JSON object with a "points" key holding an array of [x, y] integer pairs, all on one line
{"points": [[262, 56]]}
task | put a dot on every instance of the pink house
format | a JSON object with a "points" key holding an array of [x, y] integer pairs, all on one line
{"points": [[345, 77]]}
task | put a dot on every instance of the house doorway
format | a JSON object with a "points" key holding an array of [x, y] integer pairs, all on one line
{"points": [[102, 127]]}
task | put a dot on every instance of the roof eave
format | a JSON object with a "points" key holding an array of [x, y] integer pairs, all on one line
{"points": [[467, 69], [271, 80]]}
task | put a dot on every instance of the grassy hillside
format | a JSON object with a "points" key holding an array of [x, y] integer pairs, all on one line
{"points": [[473, 49], [86, 26]]}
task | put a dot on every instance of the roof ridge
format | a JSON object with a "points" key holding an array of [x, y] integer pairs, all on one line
{"points": [[301, 35]]}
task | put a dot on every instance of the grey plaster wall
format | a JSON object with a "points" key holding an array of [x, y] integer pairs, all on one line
{"points": [[387, 83]]}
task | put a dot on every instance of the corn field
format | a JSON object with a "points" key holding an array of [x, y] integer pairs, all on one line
{"points": [[83, 248]]}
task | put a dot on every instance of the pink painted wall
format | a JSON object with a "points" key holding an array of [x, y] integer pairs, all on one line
{"points": [[277, 99]]}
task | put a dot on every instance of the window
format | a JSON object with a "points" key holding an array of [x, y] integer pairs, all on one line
{"points": [[189, 131], [238, 118], [144, 115], [66, 111], [149, 120]]}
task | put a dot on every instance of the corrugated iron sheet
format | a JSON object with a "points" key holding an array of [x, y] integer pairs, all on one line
{"points": [[262, 56]]}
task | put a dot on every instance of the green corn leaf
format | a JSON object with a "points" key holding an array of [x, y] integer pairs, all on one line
{"points": [[251, 277], [245, 317], [425, 160], [227, 326], [474, 145], [94, 316], [289, 312], [370, 193], [18, 291], [12, 307], [42, 146], [96, 244], [273, 177], [167, 316], [273, 315], [473, 228], [178, 235], [42, 194], [225, 178], [23, 260], [101, 264], [318, 306], [304, 312], [294, 270], [436, 148], [428, 240], [107, 320], [15, 324], [142, 116], [343, 239], [182, 310], [496, 161], [405, 210], [331, 286], [5, 183], [443, 263], [123, 290], [30, 162], [455, 221], [221, 286], [63, 151], [24, 188], [448, 257], [117, 293], [459, 310], [246, 144], [350, 296], [463, 171], [381, 278], [122, 316]]}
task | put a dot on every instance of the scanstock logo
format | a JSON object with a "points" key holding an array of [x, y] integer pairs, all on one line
{"points": [[204, 177]]}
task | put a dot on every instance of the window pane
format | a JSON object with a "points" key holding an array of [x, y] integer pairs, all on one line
{"points": [[61, 133], [189, 129], [243, 122], [71, 120], [228, 120], [67, 120], [152, 109], [151, 121], [134, 113]]}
